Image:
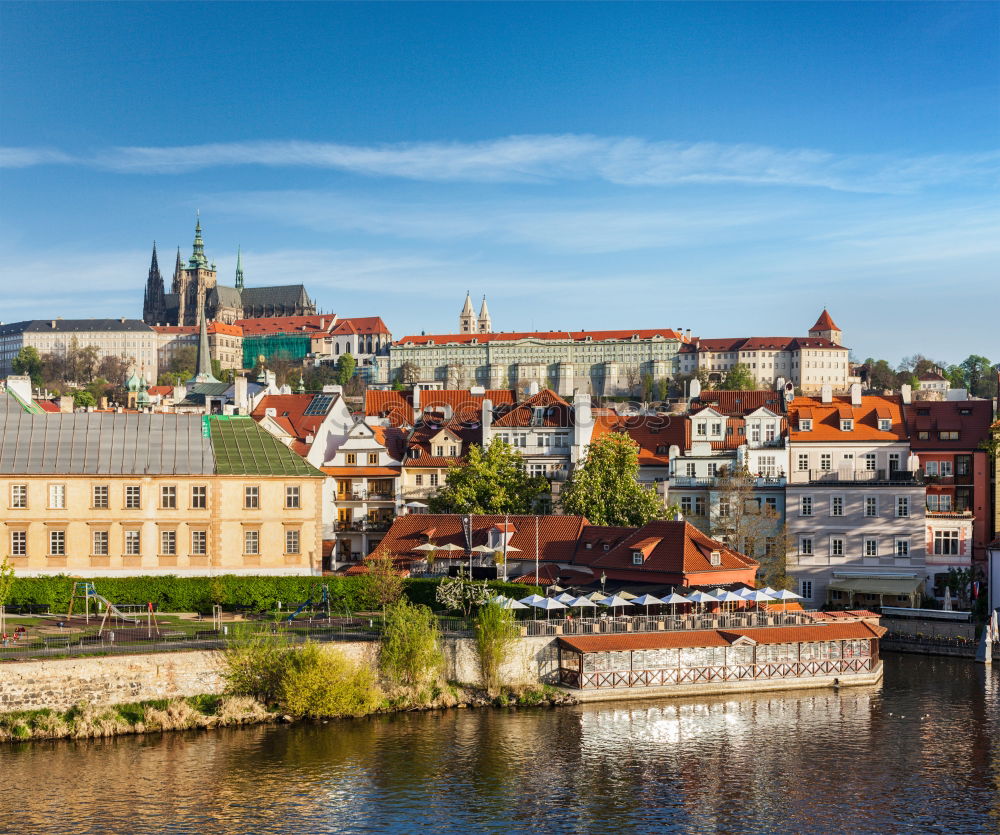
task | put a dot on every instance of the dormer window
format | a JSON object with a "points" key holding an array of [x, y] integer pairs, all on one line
{"points": [[805, 424], [589, 546], [715, 558], [637, 558], [701, 429], [414, 452], [884, 425], [606, 546], [847, 425]]}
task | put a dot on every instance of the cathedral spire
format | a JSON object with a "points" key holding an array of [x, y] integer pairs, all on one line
{"points": [[485, 320], [467, 318], [239, 268], [204, 373], [198, 258], [154, 308]]}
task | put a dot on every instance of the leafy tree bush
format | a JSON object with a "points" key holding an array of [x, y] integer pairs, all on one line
{"points": [[382, 586], [491, 481], [605, 487], [410, 653], [322, 682], [739, 378], [255, 663], [496, 635], [28, 361], [345, 368], [461, 593]]}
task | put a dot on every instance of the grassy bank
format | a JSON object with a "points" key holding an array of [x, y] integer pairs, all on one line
{"points": [[207, 712]]}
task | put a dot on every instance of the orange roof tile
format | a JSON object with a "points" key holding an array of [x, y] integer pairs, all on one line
{"points": [[824, 323], [826, 419], [319, 323], [213, 327], [555, 411], [290, 414]]}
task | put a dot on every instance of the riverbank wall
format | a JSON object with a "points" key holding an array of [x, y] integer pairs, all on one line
{"points": [[61, 683]]}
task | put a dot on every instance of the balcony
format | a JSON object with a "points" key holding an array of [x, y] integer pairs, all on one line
{"points": [[874, 477], [726, 481], [365, 526], [950, 514]]}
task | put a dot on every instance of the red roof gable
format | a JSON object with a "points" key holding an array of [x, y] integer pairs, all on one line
{"points": [[319, 323], [290, 414], [826, 419], [554, 411], [970, 418], [464, 405], [824, 323]]}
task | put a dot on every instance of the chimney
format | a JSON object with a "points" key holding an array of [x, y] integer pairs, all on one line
{"points": [[240, 395], [687, 335], [906, 392], [487, 419], [826, 393], [533, 388], [66, 404], [416, 403], [855, 394], [779, 384]]}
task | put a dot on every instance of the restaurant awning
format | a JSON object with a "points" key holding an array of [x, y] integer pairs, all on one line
{"points": [[877, 585]]}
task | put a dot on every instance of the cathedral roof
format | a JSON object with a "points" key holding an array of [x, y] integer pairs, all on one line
{"points": [[283, 295], [223, 296]]}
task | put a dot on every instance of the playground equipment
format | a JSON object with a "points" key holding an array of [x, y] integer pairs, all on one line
{"points": [[324, 602], [87, 591]]}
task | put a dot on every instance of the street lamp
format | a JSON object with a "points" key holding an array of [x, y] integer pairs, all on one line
{"points": [[604, 579]]}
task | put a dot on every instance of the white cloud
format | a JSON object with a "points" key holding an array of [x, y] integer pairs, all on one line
{"points": [[627, 161]]}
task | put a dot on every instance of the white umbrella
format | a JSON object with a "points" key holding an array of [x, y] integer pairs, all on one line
{"points": [[511, 604], [701, 598], [581, 602], [450, 546], [673, 599], [626, 595], [729, 597], [614, 601], [784, 595], [596, 596], [427, 546], [415, 505], [757, 596], [769, 590], [532, 599], [565, 598], [482, 549], [497, 598], [647, 600], [548, 604]]}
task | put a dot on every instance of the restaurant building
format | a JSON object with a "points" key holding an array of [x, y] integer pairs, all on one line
{"points": [[722, 660]]}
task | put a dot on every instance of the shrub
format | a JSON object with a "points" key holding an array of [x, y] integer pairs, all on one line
{"points": [[410, 653], [176, 716], [255, 663], [325, 683], [496, 635]]}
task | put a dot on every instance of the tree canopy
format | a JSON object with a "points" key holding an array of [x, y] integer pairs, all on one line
{"points": [[739, 378], [29, 362], [605, 486], [345, 369], [490, 481]]}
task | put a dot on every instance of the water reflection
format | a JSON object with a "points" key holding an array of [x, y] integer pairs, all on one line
{"points": [[919, 753]]}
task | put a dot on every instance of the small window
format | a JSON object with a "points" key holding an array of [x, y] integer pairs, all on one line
{"points": [[292, 542], [351, 458], [715, 558], [168, 497], [434, 479], [948, 436], [806, 589], [902, 506], [802, 461], [637, 558], [805, 424], [837, 506], [826, 462], [133, 543], [100, 543], [292, 497], [19, 543], [133, 497], [199, 542], [57, 543], [251, 542], [871, 546], [847, 425], [806, 506], [884, 425], [19, 496], [871, 506], [372, 458], [924, 435], [870, 461], [251, 497], [836, 546], [806, 546], [902, 547], [168, 543], [100, 496], [418, 480], [199, 497], [57, 496]]}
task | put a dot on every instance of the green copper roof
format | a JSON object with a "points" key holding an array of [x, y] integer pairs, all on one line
{"points": [[241, 447]]}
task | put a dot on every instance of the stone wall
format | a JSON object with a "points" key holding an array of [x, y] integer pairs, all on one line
{"points": [[113, 679]]}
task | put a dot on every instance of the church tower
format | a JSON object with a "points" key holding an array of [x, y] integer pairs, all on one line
{"points": [[826, 329], [154, 307], [485, 321], [239, 268], [196, 279], [467, 318]]}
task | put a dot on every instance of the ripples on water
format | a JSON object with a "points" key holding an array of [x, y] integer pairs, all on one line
{"points": [[921, 753]]}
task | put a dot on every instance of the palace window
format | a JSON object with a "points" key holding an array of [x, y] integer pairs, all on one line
{"points": [[946, 542], [57, 496], [837, 506], [19, 496], [168, 543], [251, 542], [826, 461], [199, 497], [806, 506], [871, 546], [902, 547], [802, 461], [100, 543], [133, 497], [871, 506], [199, 542], [806, 546], [806, 589], [57, 543], [292, 497], [100, 496], [19, 543], [837, 546], [902, 506], [292, 542], [133, 543], [870, 461], [251, 497], [434, 479], [168, 498]]}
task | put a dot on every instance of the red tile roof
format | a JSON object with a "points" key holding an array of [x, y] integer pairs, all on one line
{"points": [[557, 535], [47, 406], [826, 419], [575, 336], [654, 434], [759, 343], [464, 405], [824, 323], [741, 403], [319, 323], [192, 330], [290, 415], [681, 551], [161, 391], [423, 433], [807, 633], [973, 428], [361, 324], [555, 411]]}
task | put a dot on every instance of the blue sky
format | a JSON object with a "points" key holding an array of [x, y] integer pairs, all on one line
{"points": [[729, 168]]}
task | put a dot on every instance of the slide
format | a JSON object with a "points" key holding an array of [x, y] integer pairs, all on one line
{"points": [[114, 610]]}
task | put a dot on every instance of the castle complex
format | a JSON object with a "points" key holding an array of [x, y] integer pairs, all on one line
{"points": [[195, 285]]}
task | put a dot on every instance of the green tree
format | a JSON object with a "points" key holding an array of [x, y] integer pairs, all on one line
{"points": [[410, 653], [648, 387], [880, 374], [979, 375], [496, 636], [29, 362], [382, 585], [183, 361], [739, 378], [956, 376], [345, 369], [605, 486], [321, 682], [490, 481], [82, 399]]}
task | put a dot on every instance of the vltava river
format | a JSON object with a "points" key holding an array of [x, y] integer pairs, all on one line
{"points": [[921, 753]]}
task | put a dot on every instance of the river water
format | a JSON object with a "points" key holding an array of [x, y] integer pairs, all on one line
{"points": [[919, 753]]}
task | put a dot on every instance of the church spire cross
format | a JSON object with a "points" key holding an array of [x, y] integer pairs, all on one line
{"points": [[239, 268], [198, 258]]}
